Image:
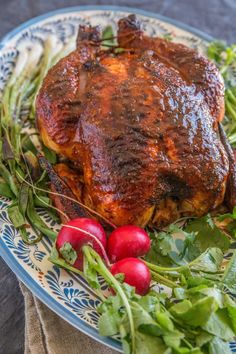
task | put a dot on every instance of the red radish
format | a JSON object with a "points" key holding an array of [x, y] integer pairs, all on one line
{"points": [[136, 274], [77, 233], [127, 241]]}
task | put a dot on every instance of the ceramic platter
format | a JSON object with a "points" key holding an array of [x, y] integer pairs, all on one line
{"points": [[67, 294]]}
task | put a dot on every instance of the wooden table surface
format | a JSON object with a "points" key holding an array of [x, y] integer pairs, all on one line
{"points": [[215, 17]]}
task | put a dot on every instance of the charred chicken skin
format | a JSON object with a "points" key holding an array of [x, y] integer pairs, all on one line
{"points": [[142, 127]]}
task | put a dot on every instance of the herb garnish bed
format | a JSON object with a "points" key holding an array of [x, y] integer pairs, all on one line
{"points": [[199, 314]]}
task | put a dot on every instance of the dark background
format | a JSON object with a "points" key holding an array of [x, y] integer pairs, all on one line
{"points": [[215, 17]]}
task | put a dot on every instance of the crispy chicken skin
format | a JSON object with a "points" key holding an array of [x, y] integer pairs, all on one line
{"points": [[143, 125]]}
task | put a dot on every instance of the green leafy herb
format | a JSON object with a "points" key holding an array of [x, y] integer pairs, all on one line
{"points": [[6, 175], [202, 320], [198, 317], [23, 198], [207, 235], [179, 246], [209, 261], [60, 262], [219, 324], [203, 338], [108, 36], [42, 201], [196, 314], [168, 36], [231, 225], [15, 216], [225, 58], [27, 145], [50, 155], [68, 253], [33, 165], [5, 190], [228, 215], [169, 247], [36, 221], [229, 277]]}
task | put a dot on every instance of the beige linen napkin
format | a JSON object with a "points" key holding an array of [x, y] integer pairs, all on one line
{"points": [[46, 333]]}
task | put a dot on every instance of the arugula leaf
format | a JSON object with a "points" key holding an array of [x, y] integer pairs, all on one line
{"points": [[173, 339], [108, 322], [178, 246], [164, 319], [203, 338], [214, 293], [194, 315], [151, 329], [143, 317], [151, 302], [219, 324], [229, 277], [146, 344], [196, 280], [209, 261]]}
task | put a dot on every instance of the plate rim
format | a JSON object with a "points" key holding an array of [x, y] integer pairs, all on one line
{"points": [[8, 36], [5, 253]]}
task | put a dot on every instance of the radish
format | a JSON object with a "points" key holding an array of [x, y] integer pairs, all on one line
{"points": [[136, 274], [128, 241], [77, 233]]}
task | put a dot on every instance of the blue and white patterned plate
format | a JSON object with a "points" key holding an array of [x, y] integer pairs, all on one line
{"points": [[67, 294]]}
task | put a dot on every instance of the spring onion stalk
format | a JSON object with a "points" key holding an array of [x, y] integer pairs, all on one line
{"points": [[16, 112]]}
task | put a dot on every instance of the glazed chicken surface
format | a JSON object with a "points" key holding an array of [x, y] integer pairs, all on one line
{"points": [[141, 128]]}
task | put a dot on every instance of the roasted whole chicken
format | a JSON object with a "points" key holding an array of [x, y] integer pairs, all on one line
{"points": [[140, 128]]}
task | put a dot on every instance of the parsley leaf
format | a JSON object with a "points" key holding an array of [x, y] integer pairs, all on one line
{"points": [[207, 235], [169, 247]]}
